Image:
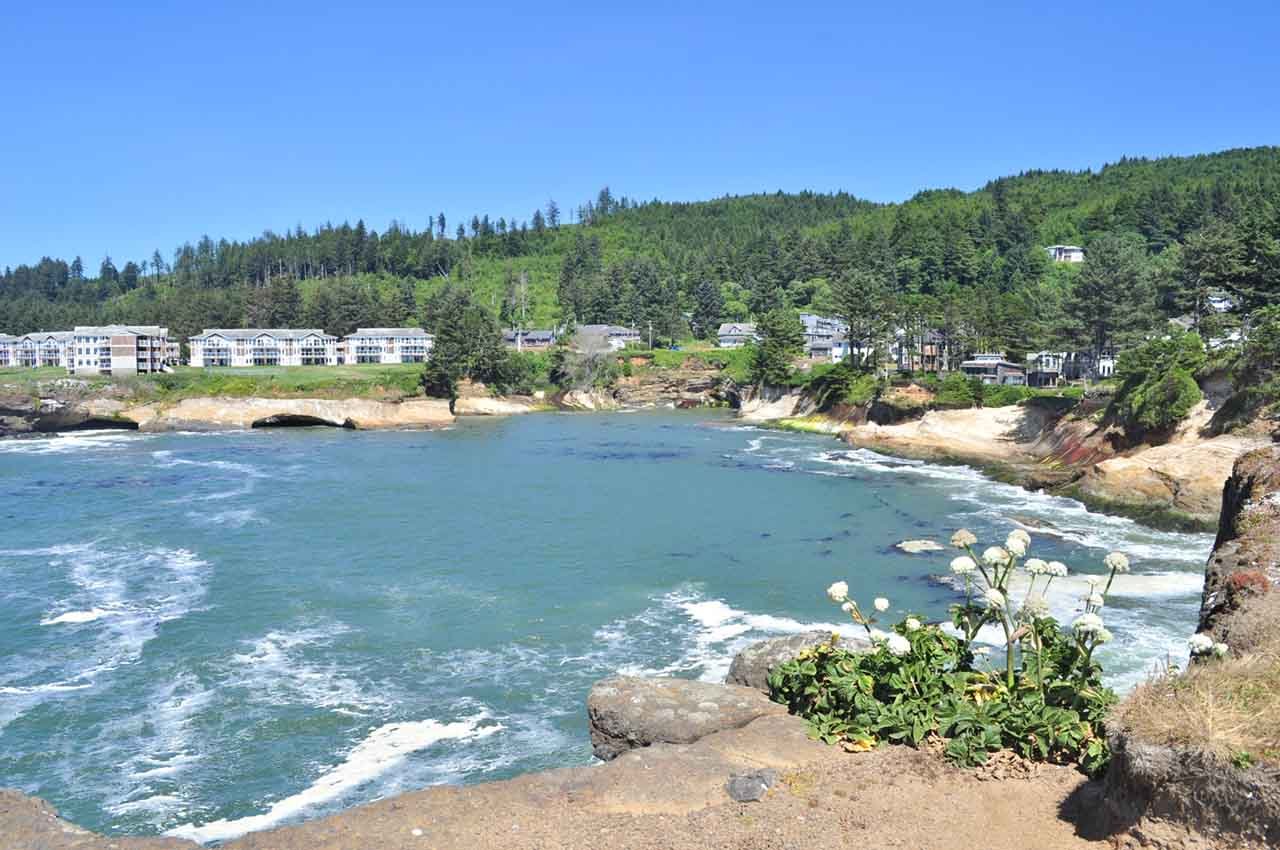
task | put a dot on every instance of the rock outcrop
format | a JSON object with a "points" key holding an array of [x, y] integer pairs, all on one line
{"points": [[222, 413], [1248, 543], [1177, 799], [626, 713], [762, 404], [750, 667], [491, 406], [1174, 796], [1043, 446], [679, 388], [586, 400]]}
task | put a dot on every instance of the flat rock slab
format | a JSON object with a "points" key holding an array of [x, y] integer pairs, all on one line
{"points": [[917, 547], [625, 712], [751, 666]]}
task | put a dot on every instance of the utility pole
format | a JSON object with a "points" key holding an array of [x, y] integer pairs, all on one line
{"points": [[651, 335]]}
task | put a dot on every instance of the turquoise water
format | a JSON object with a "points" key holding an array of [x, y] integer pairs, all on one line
{"points": [[208, 634]]}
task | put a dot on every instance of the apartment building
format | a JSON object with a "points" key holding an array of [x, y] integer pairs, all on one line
{"points": [[42, 348], [388, 345], [118, 350], [8, 347], [230, 347]]}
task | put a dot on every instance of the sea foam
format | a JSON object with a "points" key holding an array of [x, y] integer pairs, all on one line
{"points": [[382, 749]]}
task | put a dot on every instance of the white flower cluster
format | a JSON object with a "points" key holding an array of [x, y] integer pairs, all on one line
{"points": [[838, 592], [964, 565], [1202, 645], [1117, 562]]}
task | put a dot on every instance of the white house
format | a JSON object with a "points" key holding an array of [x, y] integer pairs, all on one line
{"points": [[263, 347], [1065, 253], [388, 345], [119, 350], [1044, 368], [993, 368], [737, 334], [819, 331]]}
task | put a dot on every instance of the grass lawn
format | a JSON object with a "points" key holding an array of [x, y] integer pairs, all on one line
{"points": [[368, 381]]}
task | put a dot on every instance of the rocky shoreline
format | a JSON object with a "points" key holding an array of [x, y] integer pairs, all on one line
{"points": [[1045, 444]]}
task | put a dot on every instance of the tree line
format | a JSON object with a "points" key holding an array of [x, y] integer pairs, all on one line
{"points": [[1164, 237]]}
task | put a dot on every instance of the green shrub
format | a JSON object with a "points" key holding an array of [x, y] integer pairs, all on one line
{"points": [[957, 390], [1157, 389], [1004, 395], [918, 681]]}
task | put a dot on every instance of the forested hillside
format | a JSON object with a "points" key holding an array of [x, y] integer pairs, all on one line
{"points": [[1161, 236]]}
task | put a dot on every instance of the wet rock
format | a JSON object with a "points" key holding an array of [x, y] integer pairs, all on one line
{"points": [[626, 712], [751, 666], [750, 787], [917, 547]]}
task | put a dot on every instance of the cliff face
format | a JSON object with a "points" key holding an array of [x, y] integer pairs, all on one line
{"points": [[1170, 783], [1044, 446], [1248, 545]]}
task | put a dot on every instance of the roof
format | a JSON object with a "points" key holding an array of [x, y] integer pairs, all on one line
{"points": [[1065, 247], [58, 335], [512, 333], [611, 330], [116, 330], [253, 333], [994, 362], [737, 329], [390, 332]]}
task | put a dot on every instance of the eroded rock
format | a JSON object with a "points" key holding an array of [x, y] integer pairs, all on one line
{"points": [[625, 712], [751, 666]]}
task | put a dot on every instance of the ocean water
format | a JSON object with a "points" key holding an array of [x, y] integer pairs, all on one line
{"points": [[208, 634]]}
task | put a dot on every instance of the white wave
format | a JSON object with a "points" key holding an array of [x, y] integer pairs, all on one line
{"points": [[383, 749], [76, 617], [244, 475], [139, 589], [275, 670], [147, 767], [70, 441], [49, 688], [236, 518]]}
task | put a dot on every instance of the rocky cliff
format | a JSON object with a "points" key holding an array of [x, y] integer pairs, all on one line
{"points": [[1189, 768], [1044, 444]]}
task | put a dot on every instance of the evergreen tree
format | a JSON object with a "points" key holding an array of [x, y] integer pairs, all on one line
{"points": [[1113, 300], [862, 299], [708, 308], [781, 342]]}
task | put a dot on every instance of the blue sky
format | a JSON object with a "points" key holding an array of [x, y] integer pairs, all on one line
{"points": [[135, 126]]}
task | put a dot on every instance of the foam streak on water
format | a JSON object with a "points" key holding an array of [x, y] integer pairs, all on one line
{"points": [[380, 751]]}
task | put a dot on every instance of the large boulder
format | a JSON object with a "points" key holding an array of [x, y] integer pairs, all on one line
{"points": [[625, 712], [751, 666]]}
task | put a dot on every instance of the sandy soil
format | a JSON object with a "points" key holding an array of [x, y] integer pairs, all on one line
{"points": [[673, 797]]}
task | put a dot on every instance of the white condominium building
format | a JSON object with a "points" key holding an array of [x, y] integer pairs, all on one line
{"points": [[43, 348], [118, 350], [389, 345], [263, 347], [8, 350]]}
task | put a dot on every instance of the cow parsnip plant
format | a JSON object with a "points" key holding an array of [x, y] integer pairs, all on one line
{"points": [[1047, 703]]}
